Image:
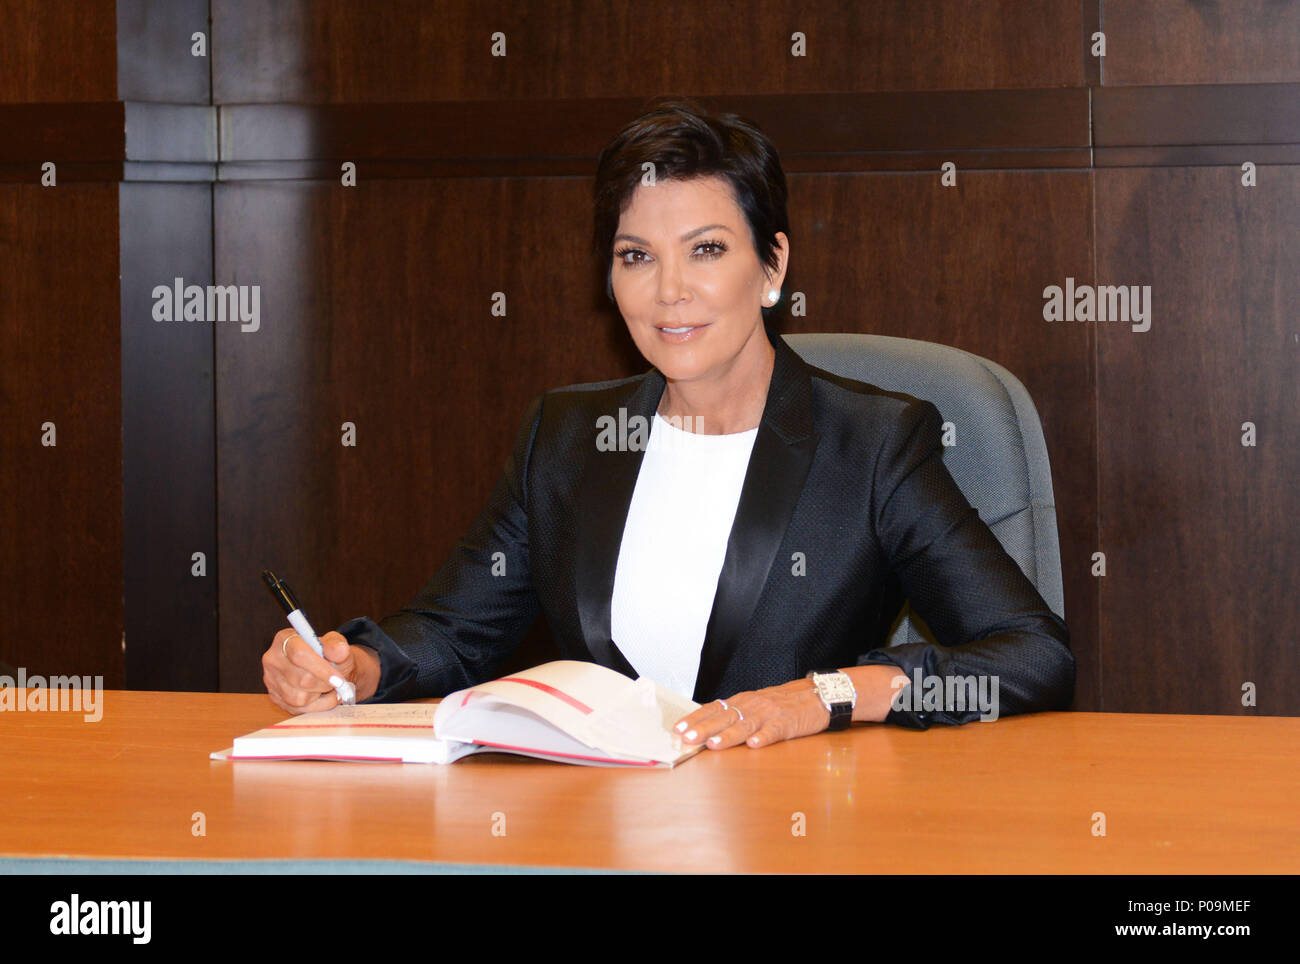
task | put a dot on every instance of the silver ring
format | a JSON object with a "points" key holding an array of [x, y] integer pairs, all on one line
{"points": [[723, 704]]}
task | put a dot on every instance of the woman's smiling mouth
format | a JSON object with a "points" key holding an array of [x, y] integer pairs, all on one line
{"points": [[678, 334]]}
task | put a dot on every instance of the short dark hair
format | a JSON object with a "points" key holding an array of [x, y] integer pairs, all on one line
{"points": [[684, 142]]}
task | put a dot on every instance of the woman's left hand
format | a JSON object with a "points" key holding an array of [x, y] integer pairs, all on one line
{"points": [[770, 715]]}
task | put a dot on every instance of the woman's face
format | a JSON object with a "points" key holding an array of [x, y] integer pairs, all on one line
{"points": [[683, 259]]}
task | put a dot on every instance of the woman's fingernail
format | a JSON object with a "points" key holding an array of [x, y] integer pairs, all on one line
{"points": [[690, 735], [681, 726], [715, 740]]}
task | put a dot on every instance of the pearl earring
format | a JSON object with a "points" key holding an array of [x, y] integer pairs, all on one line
{"points": [[772, 295]]}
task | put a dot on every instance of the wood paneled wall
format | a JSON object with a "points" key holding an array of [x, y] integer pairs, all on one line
{"points": [[473, 177], [60, 368]]}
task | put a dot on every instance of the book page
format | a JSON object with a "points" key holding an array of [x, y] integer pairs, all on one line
{"points": [[366, 715], [564, 693], [596, 705], [642, 723], [379, 731]]}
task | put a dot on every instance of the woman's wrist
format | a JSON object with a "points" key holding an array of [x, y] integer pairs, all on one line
{"points": [[876, 690], [369, 670]]}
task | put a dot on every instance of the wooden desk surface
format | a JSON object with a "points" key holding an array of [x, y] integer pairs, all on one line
{"points": [[1180, 794]]}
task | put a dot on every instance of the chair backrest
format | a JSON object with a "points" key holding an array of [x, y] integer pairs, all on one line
{"points": [[1000, 459]]}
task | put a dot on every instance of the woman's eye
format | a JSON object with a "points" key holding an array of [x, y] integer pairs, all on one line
{"points": [[704, 251]]}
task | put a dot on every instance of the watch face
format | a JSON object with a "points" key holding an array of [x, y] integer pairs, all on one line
{"points": [[835, 688]]}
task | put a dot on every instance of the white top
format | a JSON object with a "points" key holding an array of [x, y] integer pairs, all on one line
{"points": [[674, 543]]}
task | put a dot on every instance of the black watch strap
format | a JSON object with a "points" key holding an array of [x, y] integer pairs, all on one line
{"points": [[841, 716]]}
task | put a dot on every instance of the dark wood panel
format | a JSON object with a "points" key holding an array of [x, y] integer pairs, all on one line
{"points": [[1200, 532], [1037, 128], [376, 310], [82, 132], [1092, 65], [895, 131], [1200, 42], [966, 266], [57, 50], [792, 162], [356, 51], [29, 172], [1192, 117], [1197, 155], [61, 535], [168, 450], [887, 131]]}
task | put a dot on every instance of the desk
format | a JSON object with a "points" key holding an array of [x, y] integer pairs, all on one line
{"points": [[1181, 794]]}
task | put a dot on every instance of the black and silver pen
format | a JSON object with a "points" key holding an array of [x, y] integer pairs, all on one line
{"points": [[347, 693]]}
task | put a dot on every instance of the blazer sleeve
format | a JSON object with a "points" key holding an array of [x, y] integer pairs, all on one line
{"points": [[988, 617], [475, 609]]}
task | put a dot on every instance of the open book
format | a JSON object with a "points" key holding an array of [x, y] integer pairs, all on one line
{"points": [[568, 711]]}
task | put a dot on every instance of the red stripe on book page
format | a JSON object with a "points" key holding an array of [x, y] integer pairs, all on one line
{"points": [[574, 756], [558, 694]]}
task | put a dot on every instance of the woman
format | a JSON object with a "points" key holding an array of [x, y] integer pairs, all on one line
{"points": [[778, 533]]}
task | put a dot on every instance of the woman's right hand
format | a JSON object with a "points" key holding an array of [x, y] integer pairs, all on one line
{"points": [[298, 681]]}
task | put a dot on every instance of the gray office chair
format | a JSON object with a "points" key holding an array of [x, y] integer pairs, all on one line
{"points": [[1000, 459]]}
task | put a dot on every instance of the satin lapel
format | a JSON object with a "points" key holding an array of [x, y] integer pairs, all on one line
{"points": [[778, 465], [604, 497]]}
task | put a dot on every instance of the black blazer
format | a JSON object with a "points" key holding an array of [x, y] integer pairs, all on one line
{"points": [[846, 510]]}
